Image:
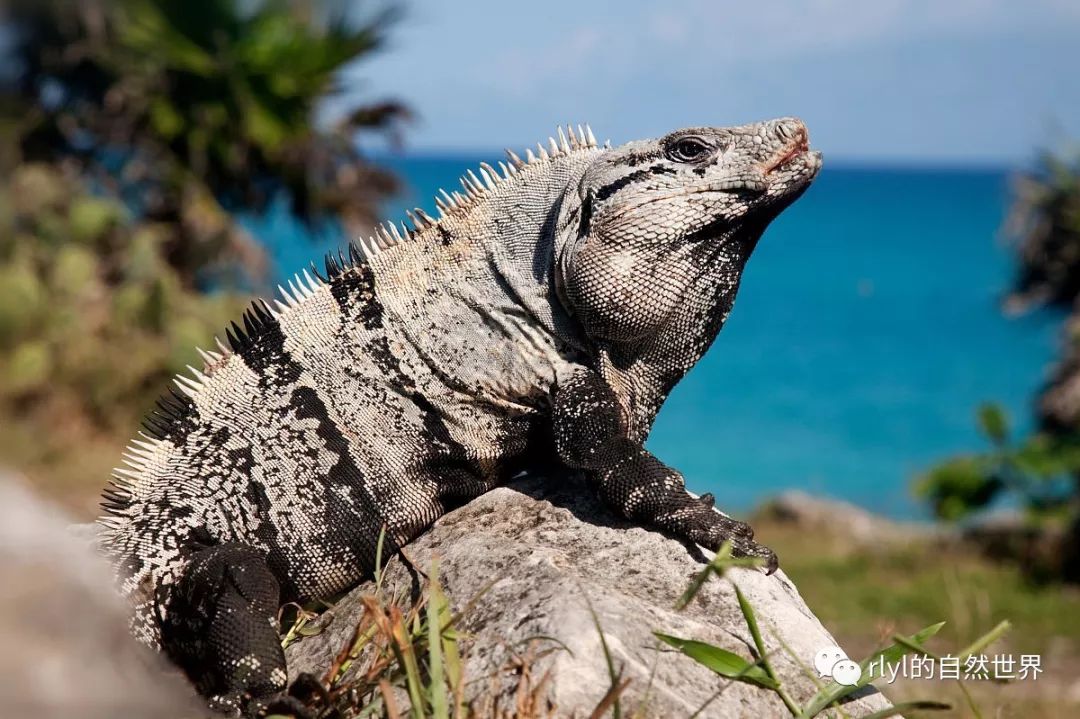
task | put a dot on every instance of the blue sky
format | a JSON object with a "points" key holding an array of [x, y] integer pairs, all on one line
{"points": [[952, 81]]}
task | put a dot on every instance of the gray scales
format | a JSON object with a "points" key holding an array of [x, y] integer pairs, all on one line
{"points": [[545, 315]]}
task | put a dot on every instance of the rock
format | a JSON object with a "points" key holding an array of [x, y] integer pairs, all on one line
{"points": [[839, 518], [553, 552], [67, 649]]}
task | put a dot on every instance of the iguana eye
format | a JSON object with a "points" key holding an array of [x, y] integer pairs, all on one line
{"points": [[688, 149]]}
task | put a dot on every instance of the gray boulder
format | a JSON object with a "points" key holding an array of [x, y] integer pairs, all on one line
{"points": [[557, 557], [66, 649]]}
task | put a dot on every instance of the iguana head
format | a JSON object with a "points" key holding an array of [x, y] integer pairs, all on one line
{"points": [[655, 235]]}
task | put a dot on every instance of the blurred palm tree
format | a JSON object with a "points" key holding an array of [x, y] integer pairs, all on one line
{"points": [[1045, 225], [187, 110]]}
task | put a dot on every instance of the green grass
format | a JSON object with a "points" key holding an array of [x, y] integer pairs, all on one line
{"points": [[901, 586], [866, 594]]}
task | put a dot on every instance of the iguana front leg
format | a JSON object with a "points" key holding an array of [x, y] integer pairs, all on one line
{"points": [[590, 434]]}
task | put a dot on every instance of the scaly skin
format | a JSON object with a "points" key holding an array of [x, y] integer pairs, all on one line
{"points": [[549, 312]]}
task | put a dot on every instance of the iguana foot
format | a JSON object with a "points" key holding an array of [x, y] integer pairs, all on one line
{"points": [[220, 627], [708, 527]]}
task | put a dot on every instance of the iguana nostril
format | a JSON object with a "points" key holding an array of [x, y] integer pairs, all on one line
{"points": [[791, 130]]}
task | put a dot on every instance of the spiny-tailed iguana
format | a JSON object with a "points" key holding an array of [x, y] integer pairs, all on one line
{"points": [[547, 313]]}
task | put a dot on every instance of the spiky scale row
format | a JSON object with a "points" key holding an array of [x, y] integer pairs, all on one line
{"points": [[172, 407], [475, 185]]}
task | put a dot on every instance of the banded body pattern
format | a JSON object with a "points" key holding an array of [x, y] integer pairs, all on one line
{"points": [[544, 315]]}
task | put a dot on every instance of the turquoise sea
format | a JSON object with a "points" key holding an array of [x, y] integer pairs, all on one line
{"points": [[866, 333]]}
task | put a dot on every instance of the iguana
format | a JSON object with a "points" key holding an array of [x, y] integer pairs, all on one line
{"points": [[546, 314]]}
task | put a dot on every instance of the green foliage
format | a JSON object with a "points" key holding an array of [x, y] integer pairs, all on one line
{"points": [[193, 106], [87, 293], [1038, 472]]}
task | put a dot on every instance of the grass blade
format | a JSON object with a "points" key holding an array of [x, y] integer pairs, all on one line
{"points": [[725, 663], [763, 653], [833, 692], [985, 640], [913, 706], [615, 676], [437, 686], [403, 648], [720, 563], [378, 559]]}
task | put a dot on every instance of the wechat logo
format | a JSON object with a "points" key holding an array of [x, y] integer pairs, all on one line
{"points": [[833, 663]]}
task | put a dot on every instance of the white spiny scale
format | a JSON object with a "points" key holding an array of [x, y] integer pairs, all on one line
{"points": [[197, 374], [529, 156], [281, 308], [184, 388], [393, 234], [312, 282], [507, 170], [132, 462], [405, 232], [136, 450], [563, 144], [383, 238], [450, 202], [139, 456], [514, 159], [553, 147], [476, 181], [413, 220], [574, 144], [297, 292], [189, 381], [459, 199], [125, 474], [590, 136], [425, 217], [148, 446], [290, 301], [488, 175], [205, 356], [225, 351], [542, 152]]}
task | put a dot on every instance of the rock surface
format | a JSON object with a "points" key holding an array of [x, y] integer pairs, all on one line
{"points": [[67, 651], [834, 516], [553, 551]]}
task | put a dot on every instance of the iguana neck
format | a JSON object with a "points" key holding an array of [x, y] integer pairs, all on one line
{"points": [[528, 230]]}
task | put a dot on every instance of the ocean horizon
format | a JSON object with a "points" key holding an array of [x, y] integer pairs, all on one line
{"points": [[866, 333]]}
